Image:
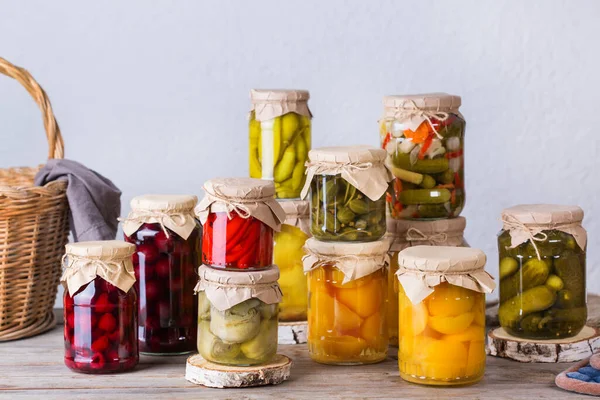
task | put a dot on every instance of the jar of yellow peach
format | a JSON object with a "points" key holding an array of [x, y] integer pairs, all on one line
{"points": [[442, 314], [346, 307]]}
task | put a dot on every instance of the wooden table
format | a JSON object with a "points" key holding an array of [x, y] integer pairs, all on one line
{"points": [[33, 369]]}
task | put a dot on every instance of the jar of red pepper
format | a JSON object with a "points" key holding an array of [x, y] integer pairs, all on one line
{"points": [[239, 216], [166, 234], [100, 307]]}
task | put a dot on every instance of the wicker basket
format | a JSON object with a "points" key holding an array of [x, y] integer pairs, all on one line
{"points": [[34, 229]]}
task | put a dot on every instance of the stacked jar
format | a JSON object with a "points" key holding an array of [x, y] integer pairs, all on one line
{"points": [[238, 294], [347, 259]]}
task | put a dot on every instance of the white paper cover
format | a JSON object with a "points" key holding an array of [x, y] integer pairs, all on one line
{"points": [[297, 213], [272, 103]]}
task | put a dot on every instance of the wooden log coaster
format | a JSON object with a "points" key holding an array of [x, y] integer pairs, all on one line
{"points": [[501, 344], [293, 332], [205, 373]]}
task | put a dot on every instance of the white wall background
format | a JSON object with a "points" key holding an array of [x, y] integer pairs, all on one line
{"points": [[154, 94]]}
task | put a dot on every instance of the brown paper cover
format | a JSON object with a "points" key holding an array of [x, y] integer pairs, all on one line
{"points": [[297, 213], [442, 232], [272, 103], [412, 110]]}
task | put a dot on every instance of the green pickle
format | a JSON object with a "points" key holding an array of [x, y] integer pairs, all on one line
{"points": [[542, 298]]}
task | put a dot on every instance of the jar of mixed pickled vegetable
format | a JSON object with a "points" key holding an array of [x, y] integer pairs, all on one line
{"points": [[239, 216], [346, 312], [100, 307], [167, 238], [288, 251], [542, 271], [424, 139], [404, 234], [280, 123], [237, 322], [442, 314], [347, 193]]}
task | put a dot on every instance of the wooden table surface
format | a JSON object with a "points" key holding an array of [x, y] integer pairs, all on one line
{"points": [[33, 369]]}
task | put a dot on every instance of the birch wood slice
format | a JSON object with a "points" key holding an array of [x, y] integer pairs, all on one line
{"points": [[205, 373], [293, 332], [501, 344]]}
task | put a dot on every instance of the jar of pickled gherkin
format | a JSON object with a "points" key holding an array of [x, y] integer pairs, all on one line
{"points": [[347, 193], [288, 251], [167, 238], [404, 234], [346, 311], [423, 135], [237, 315], [100, 307], [280, 137], [239, 216], [542, 271], [442, 314]]}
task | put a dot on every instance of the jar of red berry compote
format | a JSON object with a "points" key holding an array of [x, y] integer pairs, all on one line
{"points": [[100, 307], [167, 239]]}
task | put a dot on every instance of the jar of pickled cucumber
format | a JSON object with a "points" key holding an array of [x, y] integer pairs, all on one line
{"points": [[280, 137], [288, 251], [167, 238], [442, 314], [346, 311], [100, 307], [239, 216], [347, 193], [423, 135], [237, 315], [404, 234], [542, 271]]}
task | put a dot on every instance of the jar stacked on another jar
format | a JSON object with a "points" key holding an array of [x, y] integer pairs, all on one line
{"points": [[238, 291], [347, 259]]}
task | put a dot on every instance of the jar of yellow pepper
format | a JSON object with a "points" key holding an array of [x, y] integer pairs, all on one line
{"points": [[280, 138], [346, 312], [442, 314], [404, 234]]}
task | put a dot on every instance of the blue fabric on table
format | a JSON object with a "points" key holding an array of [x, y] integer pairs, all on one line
{"points": [[579, 376], [590, 371], [596, 379]]}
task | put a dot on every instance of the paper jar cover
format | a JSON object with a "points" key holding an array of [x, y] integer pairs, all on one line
{"points": [[297, 213], [413, 110], [226, 289], [421, 268], [271, 103], [442, 232]]}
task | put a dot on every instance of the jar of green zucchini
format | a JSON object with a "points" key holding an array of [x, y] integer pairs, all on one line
{"points": [[347, 193], [237, 315], [424, 137], [542, 271]]}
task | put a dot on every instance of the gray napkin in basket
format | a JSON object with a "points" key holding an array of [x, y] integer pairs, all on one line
{"points": [[94, 201]]}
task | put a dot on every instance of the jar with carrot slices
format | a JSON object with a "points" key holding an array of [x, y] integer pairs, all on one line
{"points": [[346, 312], [424, 138], [442, 314], [347, 193], [280, 138], [239, 216], [404, 234]]}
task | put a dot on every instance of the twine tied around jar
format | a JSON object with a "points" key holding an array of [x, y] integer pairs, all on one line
{"points": [[109, 266], [337, 167], [512, 223], [176, 218], [351, 265], [238, 205], [415, 235], [403, 113], [79, 271]]}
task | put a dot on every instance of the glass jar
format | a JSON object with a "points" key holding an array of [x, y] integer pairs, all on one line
{"points": [[346, 312], [100, 328], [442, 315], [404, 234], [280, 138], [424, 138], [347, 193], [167, 238], [287, 255], [542, 281], [235, 328]]}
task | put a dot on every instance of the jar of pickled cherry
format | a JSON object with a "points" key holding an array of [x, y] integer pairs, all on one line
{"points": [[237, 322], [542, 271], [280, 123], [239, 216], [346, 311], [347, 193], [167, 238], [404, 234], [442, 314], [100, 307], [288, 252], [423, 135]]}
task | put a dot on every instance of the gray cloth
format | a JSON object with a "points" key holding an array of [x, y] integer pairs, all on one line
{"points": [[94, 201]]}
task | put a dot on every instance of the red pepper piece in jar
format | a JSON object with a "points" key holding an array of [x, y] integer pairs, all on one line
{"points": [[239, 233]]}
